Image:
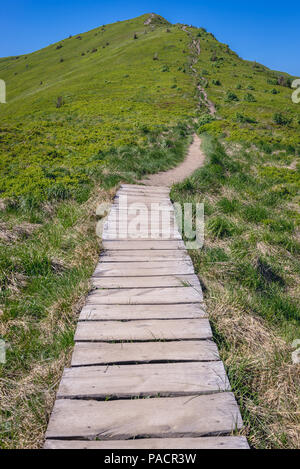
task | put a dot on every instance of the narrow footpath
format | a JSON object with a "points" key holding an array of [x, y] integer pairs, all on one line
{"points": [[145, 371]]}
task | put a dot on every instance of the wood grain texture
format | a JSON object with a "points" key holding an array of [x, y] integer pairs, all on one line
{"points": [[101, 353], [212, 442], [141, 312], [188, 416], [151, 330]]}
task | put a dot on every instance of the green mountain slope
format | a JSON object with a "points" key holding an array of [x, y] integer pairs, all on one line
{"points": [[112, 88]]}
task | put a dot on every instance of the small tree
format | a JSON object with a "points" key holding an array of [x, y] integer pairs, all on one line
{"points": [[135, 36]]}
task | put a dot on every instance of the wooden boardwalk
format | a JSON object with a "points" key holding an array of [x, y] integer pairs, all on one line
{"points": [[145, 372]]}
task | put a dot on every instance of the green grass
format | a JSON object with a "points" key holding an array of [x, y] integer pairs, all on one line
{"points": [[237, 86], [112, 98], [113, 105], [249, 270]]}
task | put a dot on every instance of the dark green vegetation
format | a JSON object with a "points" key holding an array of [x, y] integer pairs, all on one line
{"points": [[250, 270], [112, 105]]}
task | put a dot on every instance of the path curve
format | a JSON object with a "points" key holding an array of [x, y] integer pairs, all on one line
{"points": [[194, 160]]}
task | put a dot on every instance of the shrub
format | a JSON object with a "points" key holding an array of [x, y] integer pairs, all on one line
{"points": [[274, 91], [249, 98], [245, 119], [155, 57], [280, 119], [59, 46], [238, 86], [231, 97], [165, 68], [135, 36], [216, 82]]}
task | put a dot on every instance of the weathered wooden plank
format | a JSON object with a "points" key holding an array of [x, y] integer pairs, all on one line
{"points": [[147, 282], [143, 219], [138, 236], [100, 353], [144, 255], [141, 312], [143, 380], [149, 188], [151, 330], [205, 442], [144, 296], [144, 244], [145, 269], [191, 416]]}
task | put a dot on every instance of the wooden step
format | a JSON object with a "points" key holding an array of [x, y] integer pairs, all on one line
{"points": [[121, 245], [144, 296], [142, 269], [86, 353], [145, 255], [208, 442], [188, 416], [141, 312], [147, 282], [152, 330], [143, 380], [145, 188]]}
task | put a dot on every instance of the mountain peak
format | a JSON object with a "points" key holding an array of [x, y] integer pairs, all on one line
{"points": [[155, 19]]}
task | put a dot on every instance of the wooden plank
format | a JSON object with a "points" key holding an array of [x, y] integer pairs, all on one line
{"points": [[149, 188], [145, 244], [147, 282], [144, 255], [144, 296], [191, 416], [143, 380], [151, 330], [144, 269], [141, 196], [205, 442], [121, 235], [128, 231], [141, 312], [86, 353]]}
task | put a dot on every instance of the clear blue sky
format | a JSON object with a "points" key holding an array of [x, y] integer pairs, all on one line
{"points": [[265, 31]]}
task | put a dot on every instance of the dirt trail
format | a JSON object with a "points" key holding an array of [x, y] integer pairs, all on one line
{"points": [[194, 160]]}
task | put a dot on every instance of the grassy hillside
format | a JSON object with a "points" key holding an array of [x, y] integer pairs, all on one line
{"points": [[253, 103], [113, 94], [115, 104]]}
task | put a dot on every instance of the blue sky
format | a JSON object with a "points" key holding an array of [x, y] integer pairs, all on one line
{"points": [[265, 31]]}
